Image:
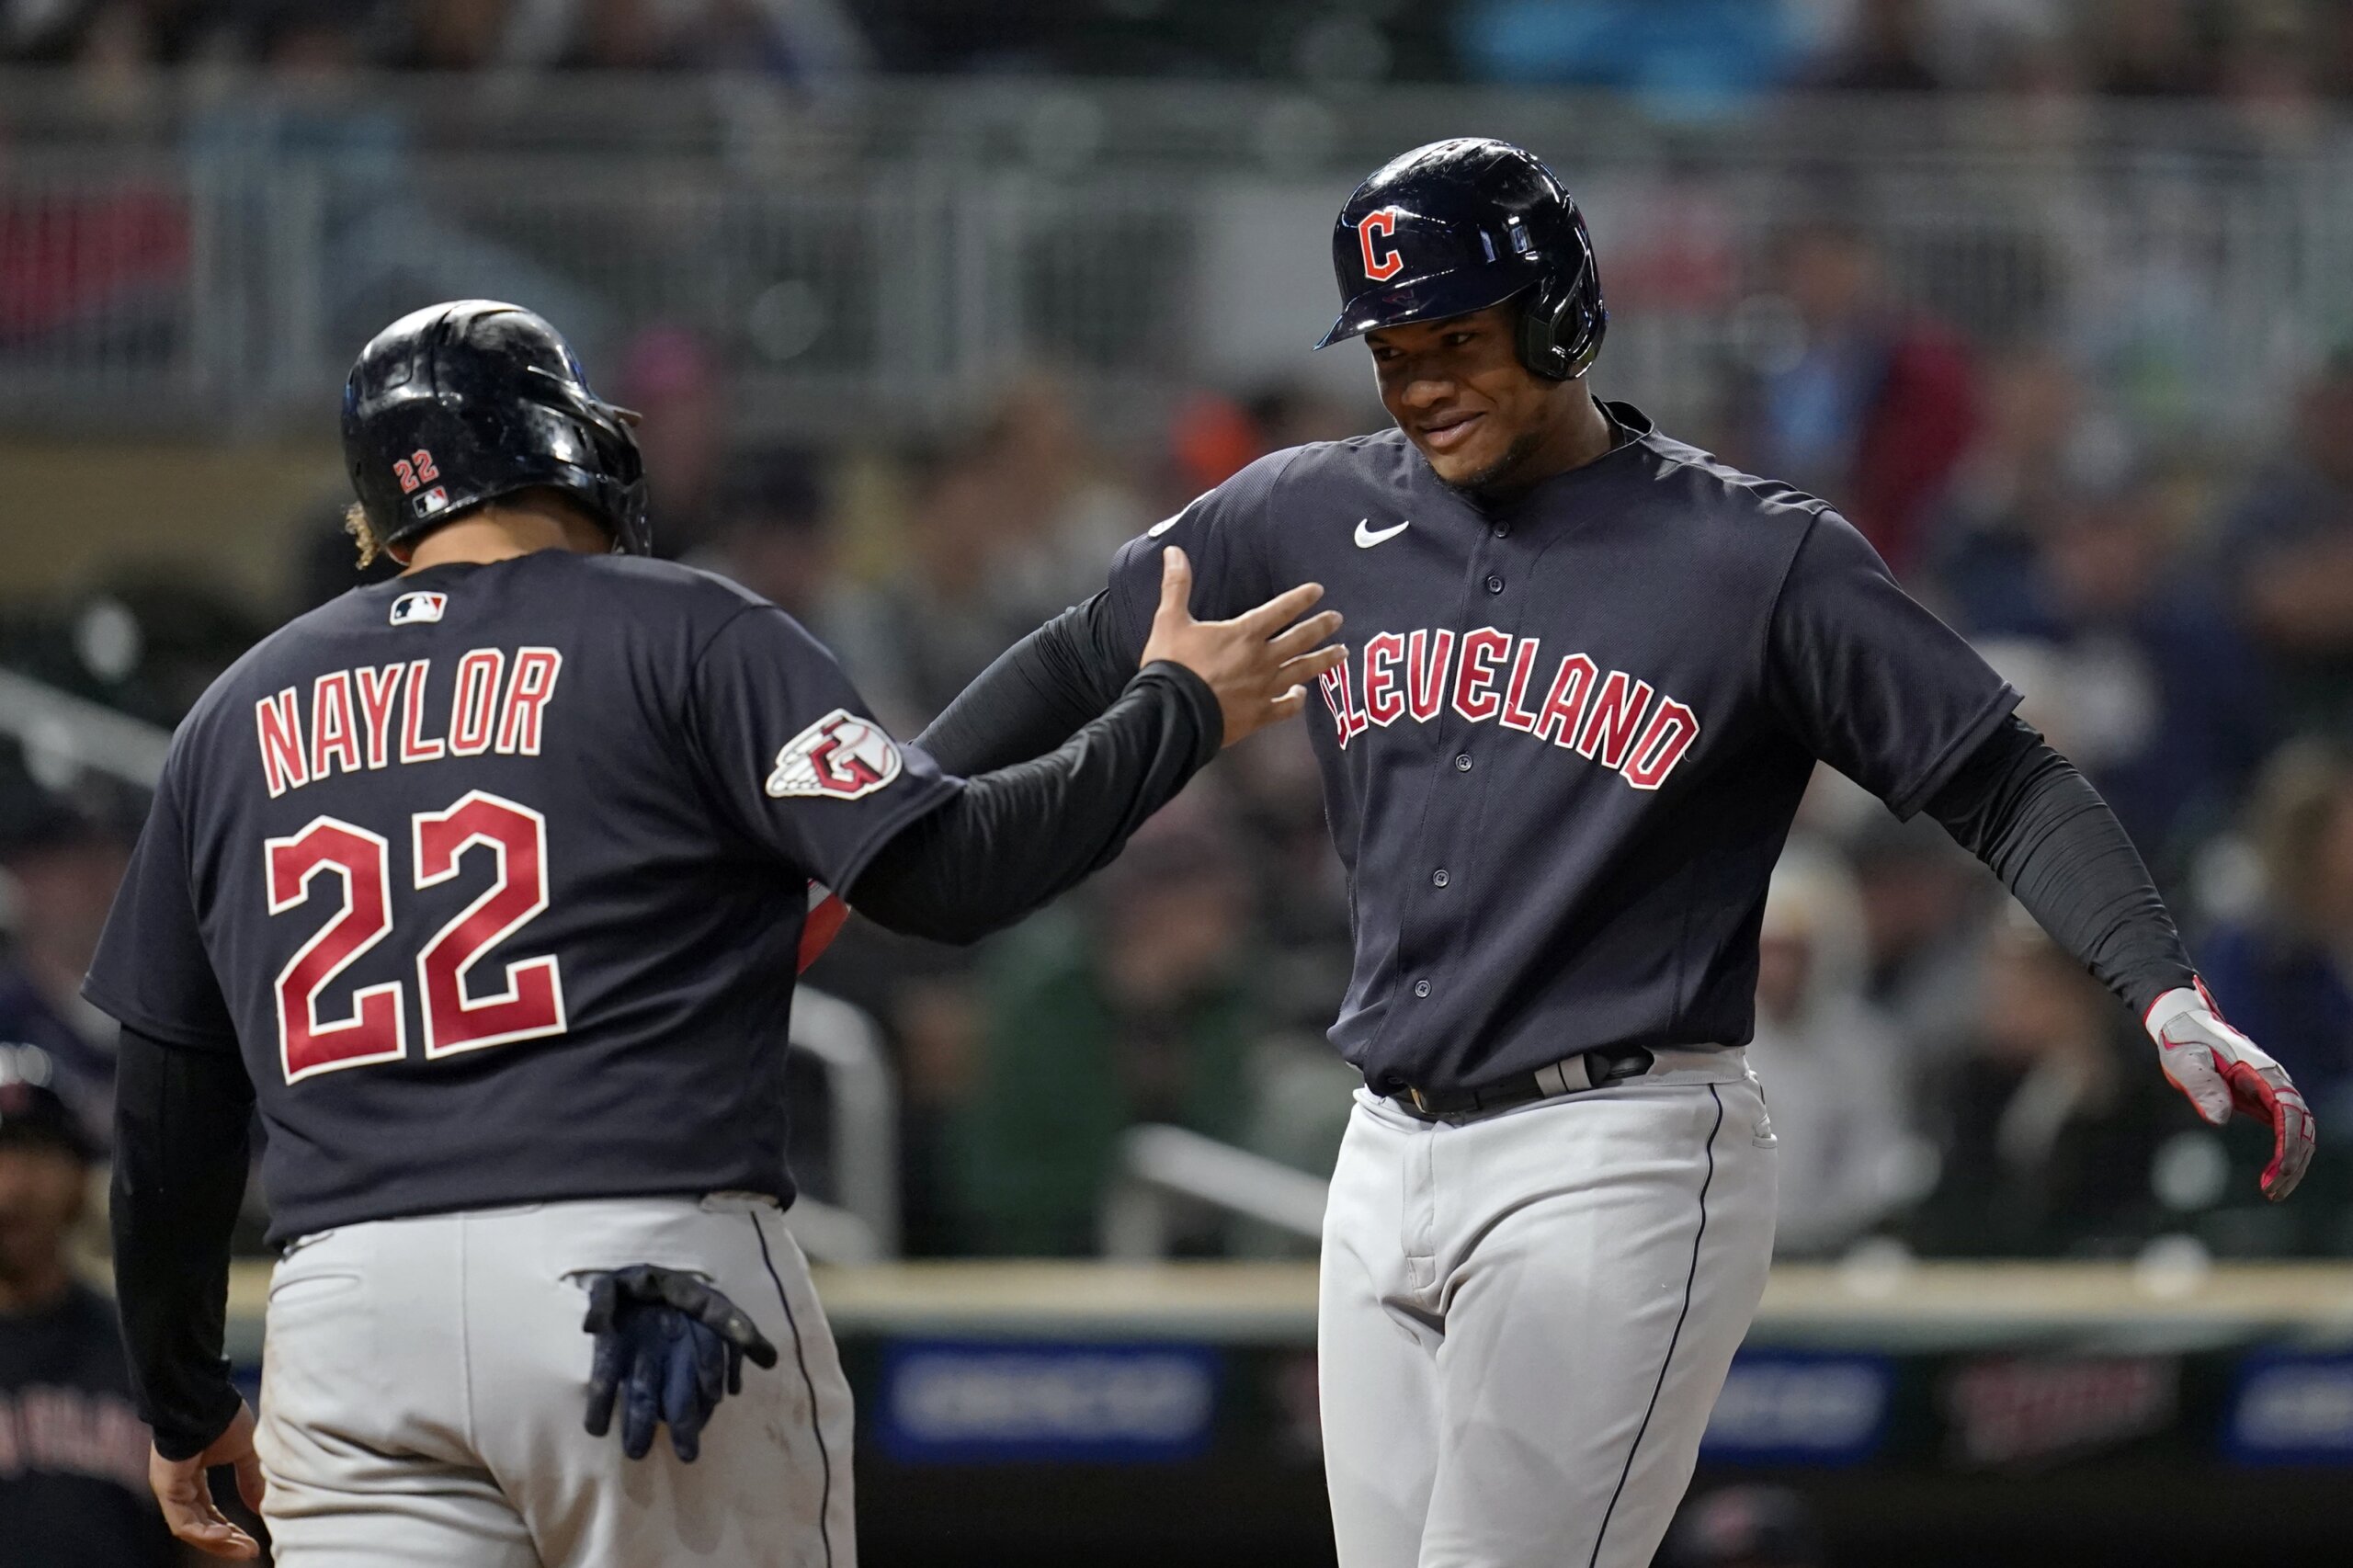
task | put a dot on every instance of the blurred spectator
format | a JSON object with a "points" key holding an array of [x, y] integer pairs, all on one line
{"points": [[1050, 498], [2146, 48], [1138, 1010], [1680, 54], [1744, 1526], [2270, 71], [1273, 787], [2284, 973], [2037, 444], [916, 639], [1924, 901], [112, 33], [627, 35], [2051, 1123], [1872, 405], [72, 1451], [1885, 53], [2286, 552], [2143, 678], [809, 41], [1214, 436], [1010, 526], [455, 35], [1834, 1067], [63, 868], [670, 377], [772, 536]]}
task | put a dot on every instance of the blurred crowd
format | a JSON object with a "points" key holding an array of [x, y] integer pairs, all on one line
{"points": [[2174, 598], [2273, 55], [2179, 615]]}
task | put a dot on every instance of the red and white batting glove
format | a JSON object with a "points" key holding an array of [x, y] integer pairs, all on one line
{"points": [[2220, 1070]]}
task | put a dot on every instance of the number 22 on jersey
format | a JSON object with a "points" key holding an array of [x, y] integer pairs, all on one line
{"points": [[530, 1006]]}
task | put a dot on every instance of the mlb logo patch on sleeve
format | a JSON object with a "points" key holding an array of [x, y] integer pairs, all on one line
{"points": [[414, 609], [841, 755]]}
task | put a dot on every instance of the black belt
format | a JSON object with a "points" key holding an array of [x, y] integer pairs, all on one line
{"points": [[1588, 1070]]}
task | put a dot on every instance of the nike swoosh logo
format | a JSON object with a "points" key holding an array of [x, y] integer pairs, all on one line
{"points": [[1366, 538]]}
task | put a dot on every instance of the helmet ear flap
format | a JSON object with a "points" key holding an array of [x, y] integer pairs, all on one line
{"points": [[1539, 332], [1561, 324]]}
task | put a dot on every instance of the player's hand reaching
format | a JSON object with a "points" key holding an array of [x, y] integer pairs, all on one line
{"points": [[1259, 662], [183, 1488], [2221, 1070]]}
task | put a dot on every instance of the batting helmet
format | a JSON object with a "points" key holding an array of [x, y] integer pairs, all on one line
{"points": [[1457, 226], [459, 403]]}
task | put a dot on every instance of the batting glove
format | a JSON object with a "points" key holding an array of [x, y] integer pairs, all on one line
{"points": [[669, 1348], [2220, 1071]]}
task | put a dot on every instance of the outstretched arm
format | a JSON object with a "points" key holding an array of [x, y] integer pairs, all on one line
{"points": [[2026, 811], [1016, 837], [1036, 694]]}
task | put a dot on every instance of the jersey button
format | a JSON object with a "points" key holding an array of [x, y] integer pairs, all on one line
{"points": [[1421, 988], [1462, 762], [1494, 584], [1503, 530], [1438, 877]]}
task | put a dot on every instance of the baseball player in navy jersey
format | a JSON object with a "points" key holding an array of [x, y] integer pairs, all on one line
{"points": [[1591, 670], [484, 886]]}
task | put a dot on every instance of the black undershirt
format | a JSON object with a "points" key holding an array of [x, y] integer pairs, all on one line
{"points": [[1010, 840], [1021, 832], [2014, 802], [180, 1151]]}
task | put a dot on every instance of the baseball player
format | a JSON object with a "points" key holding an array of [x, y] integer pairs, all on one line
{"points": [[1591, 671], [483, 886]]}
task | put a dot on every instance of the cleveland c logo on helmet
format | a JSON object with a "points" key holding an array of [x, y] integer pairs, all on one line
{"points": [[1376, 231], [1490, 224]]}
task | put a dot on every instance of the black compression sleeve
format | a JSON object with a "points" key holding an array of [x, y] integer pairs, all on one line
{"points": [[180, 1120], [2021, 808], [1016, 838], [1036, 695]]}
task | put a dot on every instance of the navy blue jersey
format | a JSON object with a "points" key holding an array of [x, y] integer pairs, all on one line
{"points": [[1572, 730], [495, 874]]}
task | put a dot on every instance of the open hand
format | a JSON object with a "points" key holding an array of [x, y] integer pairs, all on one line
{"points": [[180, 1485], [2221, 1070], [1259, 662]]}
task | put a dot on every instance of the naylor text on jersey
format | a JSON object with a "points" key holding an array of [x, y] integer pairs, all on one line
{"points": [[375, 715]]}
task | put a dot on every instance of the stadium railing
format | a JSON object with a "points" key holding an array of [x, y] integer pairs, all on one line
{"points": [[210, 257]]}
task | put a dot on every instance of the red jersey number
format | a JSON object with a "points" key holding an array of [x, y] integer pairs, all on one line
{"points": [[531, 1006], [375, 1030]]}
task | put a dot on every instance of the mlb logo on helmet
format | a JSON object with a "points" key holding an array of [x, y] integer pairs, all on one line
{"points": [[432, 501], [414, 609], [841, 755]]}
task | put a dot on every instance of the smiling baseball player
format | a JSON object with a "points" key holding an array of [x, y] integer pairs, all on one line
{"points": [[1591, 671]]}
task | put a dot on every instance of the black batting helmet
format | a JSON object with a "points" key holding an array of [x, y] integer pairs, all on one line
{"points": [[1460, 225], [458, 404]]}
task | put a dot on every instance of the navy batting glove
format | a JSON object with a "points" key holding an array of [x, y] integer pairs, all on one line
{"points": [[669, 1348]]}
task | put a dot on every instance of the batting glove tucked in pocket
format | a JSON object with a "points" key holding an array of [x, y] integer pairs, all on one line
{"points": [[2221, 1070], [669, 1348]]}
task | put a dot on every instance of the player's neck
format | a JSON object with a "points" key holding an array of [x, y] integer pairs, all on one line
{"points": [[501, 533], [1581, 434]]}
